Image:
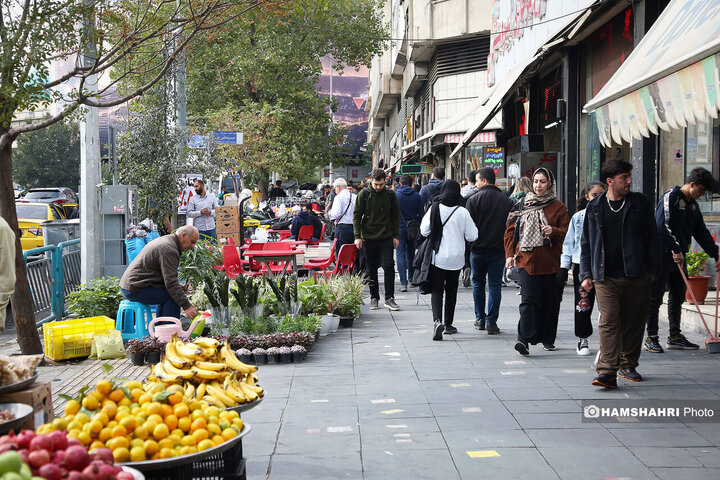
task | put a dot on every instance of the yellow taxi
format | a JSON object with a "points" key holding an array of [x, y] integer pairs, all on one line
{"points": [[30, 215]]}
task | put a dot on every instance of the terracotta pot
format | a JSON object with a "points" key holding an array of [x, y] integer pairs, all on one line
{"points": [[699, 285]]}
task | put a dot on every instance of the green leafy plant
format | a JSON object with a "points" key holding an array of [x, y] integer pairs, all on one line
{"points": [[346, 294], [101, 296], [286, 292], [247, 294], [696, 262], [314, 296], [299, 323], [199, 262]]}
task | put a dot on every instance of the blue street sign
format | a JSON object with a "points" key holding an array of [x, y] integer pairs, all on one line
{"points": [[228, 138], [196, 141]]}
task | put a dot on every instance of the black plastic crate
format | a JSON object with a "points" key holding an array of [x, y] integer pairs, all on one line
{"points": [[228, 465]]}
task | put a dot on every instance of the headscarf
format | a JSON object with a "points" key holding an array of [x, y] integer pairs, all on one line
{"points": [[531, 216], [450, 197]]}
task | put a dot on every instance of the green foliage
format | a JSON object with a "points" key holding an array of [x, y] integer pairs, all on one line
{"points": [[247, 294], [346, 294], [299, 323], [49, 157], [286, 293], [217, 289], [99, 297], [314, 297], [696, 262], [198, 262]]}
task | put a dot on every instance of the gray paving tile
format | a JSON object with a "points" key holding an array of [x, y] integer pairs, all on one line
{"points": [[543, 406], [708, 457], [562, 437], [572, 462], [313, 466], [670, 437], [687, 473], [425, 464], [256, 466], [403, 425], [553, 420], [481, 437], [512, 464], [665, 457]]}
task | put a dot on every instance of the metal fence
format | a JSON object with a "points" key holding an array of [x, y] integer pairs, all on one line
{"points": [[52, 277]]}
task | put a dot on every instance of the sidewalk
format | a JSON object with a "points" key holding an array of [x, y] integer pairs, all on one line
{"points": [[382, 400]]}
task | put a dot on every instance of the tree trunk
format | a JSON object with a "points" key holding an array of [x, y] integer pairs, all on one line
{"points": [[22, 308]]}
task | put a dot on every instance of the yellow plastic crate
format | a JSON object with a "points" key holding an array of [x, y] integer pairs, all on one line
{"points": [[73, 338]]}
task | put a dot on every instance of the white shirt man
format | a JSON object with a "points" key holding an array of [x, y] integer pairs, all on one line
{"points": [[341, 213]]}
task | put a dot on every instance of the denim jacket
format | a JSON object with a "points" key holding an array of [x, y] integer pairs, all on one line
{"points": [[571, 244]]}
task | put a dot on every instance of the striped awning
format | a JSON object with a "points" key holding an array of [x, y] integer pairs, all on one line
{"points": [[670, 79], [482, 137]]}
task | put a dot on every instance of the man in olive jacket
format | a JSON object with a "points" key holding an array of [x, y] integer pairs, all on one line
{"points": [[376, 224], [152, 278]]}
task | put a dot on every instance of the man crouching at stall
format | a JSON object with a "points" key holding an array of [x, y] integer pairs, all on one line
{"points": [[152, 278]]}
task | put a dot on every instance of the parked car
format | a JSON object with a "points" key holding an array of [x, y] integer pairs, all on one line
{"points": [[30, 216], [50, 195]]}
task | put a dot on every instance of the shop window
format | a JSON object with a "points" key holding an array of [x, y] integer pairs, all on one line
{"points": [[702, 149]]}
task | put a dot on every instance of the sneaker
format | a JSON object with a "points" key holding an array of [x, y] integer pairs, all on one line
{"points": [[373, 304], [652, 345], [630, 374], [449, 330], [466, 275], [479, 324], [680, 343], [438, 331], [550, 347], [522, 348], [492, 329], [403, 288], [582, 347], [390, 303], [605, 380]]}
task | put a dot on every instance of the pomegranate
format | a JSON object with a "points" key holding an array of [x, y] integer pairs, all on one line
{"points": [[24, 438], [59, 440], [76, 458], [74, 442], [50, 472], [105, 455], [58, 457], [38, 458], [75, 475], [41, 442], [24, 455], [106, 472], [124, 476], [5, 447]]}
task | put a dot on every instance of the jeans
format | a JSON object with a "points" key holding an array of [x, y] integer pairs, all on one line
{"points": [[669, 276], [443, 282], [208, 233], [380, 253], [405, 257], [490, 264], [154, 296], [344, 236]]}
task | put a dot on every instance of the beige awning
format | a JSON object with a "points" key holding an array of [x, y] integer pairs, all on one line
{"points": [[669, 80]]}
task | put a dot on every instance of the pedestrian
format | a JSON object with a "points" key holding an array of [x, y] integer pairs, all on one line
{"points": [[376, 225], [469, 189], [570, 259], [448, 225], [466, 191], [303, 216], [489, 209], [341, 214], [7, 268], [277, 191], [221, 195], [152, 278], [411, 213], [431, 191], [678, 219], [201, 208], [619, 252], [523, 186], [533, 240]]}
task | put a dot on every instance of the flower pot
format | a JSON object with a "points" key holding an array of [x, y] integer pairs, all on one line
{"points": [[152, 357], [272, 358], [260, 359], [347, 322], [246, 358], [137, 358], [286, 357], [326, 324], [298, 357], [699, 286], [334, 324]]}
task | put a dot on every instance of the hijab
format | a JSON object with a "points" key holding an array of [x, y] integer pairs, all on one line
{"points": [[530, 218], [450, 197]]}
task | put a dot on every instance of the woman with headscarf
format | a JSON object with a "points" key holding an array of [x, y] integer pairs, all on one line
{"points": [[449, 226], [534, 237]]}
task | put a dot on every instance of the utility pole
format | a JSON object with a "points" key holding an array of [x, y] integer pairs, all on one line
{"points": [[332, 118], [89, 169]]}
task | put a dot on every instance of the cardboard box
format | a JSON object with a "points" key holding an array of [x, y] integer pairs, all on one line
{"points": [[227, 213], [222, 238], [227, 226], [39, 397]]}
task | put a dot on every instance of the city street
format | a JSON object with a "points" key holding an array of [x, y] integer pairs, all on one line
{"points": [[382, 400]]}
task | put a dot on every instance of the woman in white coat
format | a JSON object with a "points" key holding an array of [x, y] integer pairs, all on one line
{"points": [[449, 226]]}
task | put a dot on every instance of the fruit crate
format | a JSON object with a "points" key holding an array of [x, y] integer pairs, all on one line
{"points": [[73, 338]]}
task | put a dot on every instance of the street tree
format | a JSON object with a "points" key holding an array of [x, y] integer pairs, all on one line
{"points": [[82, 40], [48, 157]]}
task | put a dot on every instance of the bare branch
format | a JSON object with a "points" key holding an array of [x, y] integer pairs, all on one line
{"points": [[31, 127]]}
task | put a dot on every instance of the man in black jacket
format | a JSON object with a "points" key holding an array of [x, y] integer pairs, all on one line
{"points": [[489, 208], [620, 252], [678, 219]]}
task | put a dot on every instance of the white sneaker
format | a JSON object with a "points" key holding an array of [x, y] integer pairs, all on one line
{"points": [[582, 347]]}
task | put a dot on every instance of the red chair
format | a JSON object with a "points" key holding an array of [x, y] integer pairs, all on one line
{"points": [[305, 233], [231, 260], [321, 263], [322, 236], [345, 261]]}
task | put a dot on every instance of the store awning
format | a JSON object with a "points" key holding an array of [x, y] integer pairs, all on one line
{"points": [[482, 137], [669, 80]]}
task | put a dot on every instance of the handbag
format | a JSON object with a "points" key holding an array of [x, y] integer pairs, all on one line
{"points": [[412, 228]]}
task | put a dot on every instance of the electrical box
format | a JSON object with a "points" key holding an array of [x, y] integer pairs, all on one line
{"points": [[118, 209]]}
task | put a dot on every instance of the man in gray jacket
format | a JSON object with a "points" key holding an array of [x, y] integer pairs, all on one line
{"points": [[152, 278]]}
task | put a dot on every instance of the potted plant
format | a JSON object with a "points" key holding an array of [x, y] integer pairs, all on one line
{"points": [[155, 349], [217, 291], [136, 351], [244, 355], [298, 353], [347, 291], [695, 262], [285, 354], [272, 354], [260, 356]]}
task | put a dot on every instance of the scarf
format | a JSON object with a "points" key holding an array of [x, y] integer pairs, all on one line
{"points": [[450, 197], [530, 217]]}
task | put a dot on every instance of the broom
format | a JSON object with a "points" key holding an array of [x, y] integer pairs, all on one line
{"points": [[712, 343]]}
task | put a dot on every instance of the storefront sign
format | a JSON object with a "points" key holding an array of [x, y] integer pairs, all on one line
{"points": [[411, 169], [494, 157]]}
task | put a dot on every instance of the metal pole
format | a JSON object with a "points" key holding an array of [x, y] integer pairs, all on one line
{"points": [[90, 244], [332, 118]]}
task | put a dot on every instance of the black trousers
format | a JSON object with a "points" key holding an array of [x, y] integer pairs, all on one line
{"points": [[583, 322], [380, 253], [539, 308], [443, 282], [668, 276]]}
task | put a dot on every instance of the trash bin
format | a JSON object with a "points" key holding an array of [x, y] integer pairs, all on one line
{"points": [[58, 231]]}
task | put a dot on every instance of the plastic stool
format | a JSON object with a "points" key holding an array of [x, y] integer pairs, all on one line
{"points": [[132, 319]]}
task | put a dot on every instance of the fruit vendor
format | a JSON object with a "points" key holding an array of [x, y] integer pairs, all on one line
{"points": [[152, 278]]}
